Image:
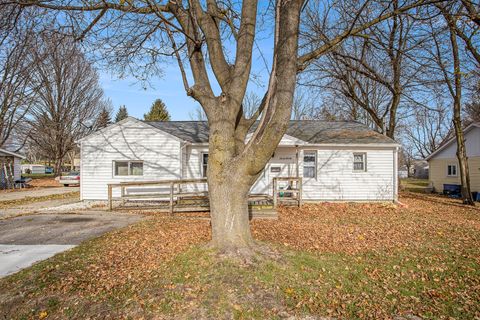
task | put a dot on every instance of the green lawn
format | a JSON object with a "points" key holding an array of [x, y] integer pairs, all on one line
{"points": [[27, 200], [369, 261], [414, 184]]}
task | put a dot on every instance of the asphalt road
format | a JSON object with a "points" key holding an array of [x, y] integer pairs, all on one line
{"points": [[27, 239]]}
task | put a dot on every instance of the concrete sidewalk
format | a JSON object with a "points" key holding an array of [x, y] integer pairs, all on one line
{"points": [[17, 257], [35, 193]]}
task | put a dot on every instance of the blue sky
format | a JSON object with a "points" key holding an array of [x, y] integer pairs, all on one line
{"points": [[169, 87], [138, 99]]}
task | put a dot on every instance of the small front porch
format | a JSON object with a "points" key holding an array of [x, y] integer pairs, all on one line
{"points": [[191, 195]]}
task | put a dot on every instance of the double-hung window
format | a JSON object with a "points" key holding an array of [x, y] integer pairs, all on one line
{"points": [[127, 168], [360, 161], [204, 164], [309, 164], [452, 170]]}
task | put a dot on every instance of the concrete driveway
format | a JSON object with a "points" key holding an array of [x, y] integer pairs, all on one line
{"points": [[28, 239]]}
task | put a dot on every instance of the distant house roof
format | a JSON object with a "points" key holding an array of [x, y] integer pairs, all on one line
{"points": [[4, 152], [452, 140], [310, 131]]}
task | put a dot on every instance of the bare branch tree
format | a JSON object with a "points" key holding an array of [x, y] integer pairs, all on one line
{"points": [[428, 129], [68, 97], [16, 90], [375, 71], [448, 58], [135, 34]]}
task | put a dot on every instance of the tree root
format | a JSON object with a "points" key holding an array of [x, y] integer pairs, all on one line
{"points": [[247, 256]]}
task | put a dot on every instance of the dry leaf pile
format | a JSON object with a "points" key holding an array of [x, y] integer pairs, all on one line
{"points": [[358, 227], [130, 255]]}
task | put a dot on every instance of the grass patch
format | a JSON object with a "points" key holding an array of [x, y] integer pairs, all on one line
{"points": [[27, 200], [414, 184], [348, 261]]}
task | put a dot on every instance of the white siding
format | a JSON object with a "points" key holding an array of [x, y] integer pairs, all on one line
{"points": [[130, 140], [192, 165], [165, 157], [336, 179], [472, 144]]}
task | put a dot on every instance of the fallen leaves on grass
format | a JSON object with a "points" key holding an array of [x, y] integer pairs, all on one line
{"points": [[359, 227], [44, 182], [130, 255], [12, 203], [370, 260]]}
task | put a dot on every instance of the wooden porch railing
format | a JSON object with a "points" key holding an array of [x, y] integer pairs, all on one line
{"points": [[173, 195], [291, 193]]}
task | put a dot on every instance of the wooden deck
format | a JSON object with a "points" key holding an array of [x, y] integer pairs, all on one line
{"points": [[189, 196]]}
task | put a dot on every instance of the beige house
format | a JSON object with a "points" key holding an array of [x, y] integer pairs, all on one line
{"points": [[444, 164]]}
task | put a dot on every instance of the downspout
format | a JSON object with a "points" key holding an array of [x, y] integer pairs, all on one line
{"points": [[395, 175], [183, 145], [296, 160]]}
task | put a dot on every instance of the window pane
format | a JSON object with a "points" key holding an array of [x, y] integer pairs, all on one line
{"points": [[309, 172], [358, 157], [121, 168], [359, 162], [136, 168], [204, 164], [309, 157], [309, 164], [358, 166]]}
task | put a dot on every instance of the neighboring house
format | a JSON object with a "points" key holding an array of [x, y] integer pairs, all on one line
{"points": [[419, 169], [443, 163], [10, 166], [403, 172], [337, 160], [33, 168]]}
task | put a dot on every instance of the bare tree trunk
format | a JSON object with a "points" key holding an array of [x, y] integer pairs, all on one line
{"points": [[462, 161], [457, 120], [58, 167], [229, 211]]}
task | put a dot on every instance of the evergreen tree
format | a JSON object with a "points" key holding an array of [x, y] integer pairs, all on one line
{"points": [[121, 114], [103, 119], [158, 112]]}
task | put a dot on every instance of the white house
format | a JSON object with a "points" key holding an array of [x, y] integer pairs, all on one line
{"points": [[343, 161]]}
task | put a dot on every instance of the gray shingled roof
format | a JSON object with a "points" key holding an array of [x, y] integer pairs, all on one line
{"points": [[311, 131]]}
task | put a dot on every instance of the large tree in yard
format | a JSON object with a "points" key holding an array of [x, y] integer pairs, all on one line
{"points": [[219, 36]]}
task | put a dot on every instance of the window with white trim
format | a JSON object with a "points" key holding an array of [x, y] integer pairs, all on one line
{"points": [[309, 164], [452, 170], [204, 164], [127, 168], [360, 161]]}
